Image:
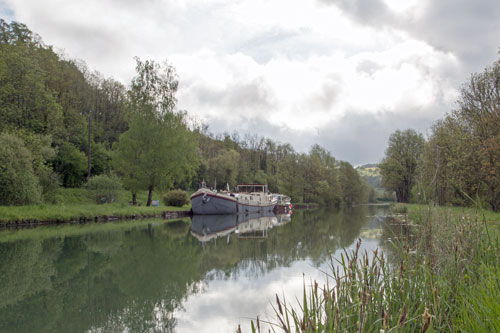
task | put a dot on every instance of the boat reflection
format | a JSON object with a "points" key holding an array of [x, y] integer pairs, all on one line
{"points": [[250, 226]]}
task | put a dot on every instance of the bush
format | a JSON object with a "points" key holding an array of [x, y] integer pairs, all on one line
{"points": [[177, 198], [104, 188], [18, 183], [49, 182], [71, 164]]}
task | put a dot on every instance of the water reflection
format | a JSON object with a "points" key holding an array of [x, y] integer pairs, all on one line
{"points": [[254, 225], [202, 275]]}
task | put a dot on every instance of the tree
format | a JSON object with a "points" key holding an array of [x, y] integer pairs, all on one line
{"points": [[18, 183], [158, 149], [462, 159], [399, 166], [224, 168], [353, 188], [25, 99], [71, 164]]}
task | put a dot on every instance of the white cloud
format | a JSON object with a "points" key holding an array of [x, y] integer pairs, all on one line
{"points": [[285, 67]]}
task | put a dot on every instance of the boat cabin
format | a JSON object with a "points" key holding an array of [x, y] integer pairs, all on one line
{"points": [[251, 188]]}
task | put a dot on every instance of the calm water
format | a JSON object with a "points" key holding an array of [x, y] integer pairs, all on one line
{"points": [[204, 275]]}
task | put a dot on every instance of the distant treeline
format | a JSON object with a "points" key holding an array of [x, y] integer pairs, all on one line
{"points": [[459, 163], [55, 113]]}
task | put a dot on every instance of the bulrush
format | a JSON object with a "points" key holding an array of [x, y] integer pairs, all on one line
{"points": [[441, 270]]}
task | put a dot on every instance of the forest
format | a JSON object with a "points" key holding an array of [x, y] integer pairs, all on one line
{"points": [[63, 125]]}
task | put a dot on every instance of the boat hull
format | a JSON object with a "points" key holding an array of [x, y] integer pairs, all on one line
{"points": [[210, 203], [246, 208], [207, 202]]}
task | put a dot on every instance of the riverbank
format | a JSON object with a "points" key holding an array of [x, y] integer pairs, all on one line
{"points": [[437, 270], [75, 205]]}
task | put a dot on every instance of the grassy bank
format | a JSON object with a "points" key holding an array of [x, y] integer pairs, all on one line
{"points": [[76, 204], [439, 271]]}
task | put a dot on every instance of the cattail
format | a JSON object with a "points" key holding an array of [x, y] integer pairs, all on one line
{"points": [[385, 318], [311, 326], [426, 320], [258, 324], [402, 319], [365, 297], [279, 305]]}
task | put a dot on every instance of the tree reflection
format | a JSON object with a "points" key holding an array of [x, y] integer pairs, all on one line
{"points": [[134, 278]]}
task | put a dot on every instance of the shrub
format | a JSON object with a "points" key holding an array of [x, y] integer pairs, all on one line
{"points": [[177, 198], [49, 182], [104, 188], [71, 164], [18, 183]]}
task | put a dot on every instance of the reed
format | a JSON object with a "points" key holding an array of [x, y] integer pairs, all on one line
{"points": [[442, 275]]}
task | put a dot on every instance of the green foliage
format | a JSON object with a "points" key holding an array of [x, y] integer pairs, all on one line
{"points": [[50, 183], [352, 187], [71, 164], [400, 164], [176, 198], [462, 160], [427, 281], [224, 167], [18, 183], [100, 159], [104, 188], [158, 149], [399, 208], [26, 100]]}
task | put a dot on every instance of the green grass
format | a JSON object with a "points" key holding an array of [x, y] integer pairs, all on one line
{"points": [[440, 272], [74, 204]]}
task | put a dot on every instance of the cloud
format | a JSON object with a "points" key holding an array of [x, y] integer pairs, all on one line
{"points": [[467, 29], [361, 137], [364, 11], [325, 67]]}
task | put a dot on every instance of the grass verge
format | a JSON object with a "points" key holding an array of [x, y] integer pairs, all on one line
{"points": [[75, 204]]}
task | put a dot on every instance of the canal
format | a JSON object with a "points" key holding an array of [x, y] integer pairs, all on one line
{"points": [[205, 274]]}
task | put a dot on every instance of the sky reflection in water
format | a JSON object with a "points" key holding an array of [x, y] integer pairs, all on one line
{"points": [[228, 300], [150, 276]]}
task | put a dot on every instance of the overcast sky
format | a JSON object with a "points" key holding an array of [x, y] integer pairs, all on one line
{"points": [[341, 73]]}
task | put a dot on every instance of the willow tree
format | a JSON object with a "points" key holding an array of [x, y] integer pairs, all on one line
{"points": [[399, 166], [158, 149]]}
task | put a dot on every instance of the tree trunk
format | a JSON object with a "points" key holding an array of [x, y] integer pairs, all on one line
{"points": [[150, 195], [134, 198]]}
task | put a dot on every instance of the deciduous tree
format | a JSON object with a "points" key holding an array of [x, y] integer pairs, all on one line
{"points": [[158, 149], [399, 166]]}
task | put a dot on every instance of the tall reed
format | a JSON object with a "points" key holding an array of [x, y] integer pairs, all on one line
{"points": [[443, 275]]}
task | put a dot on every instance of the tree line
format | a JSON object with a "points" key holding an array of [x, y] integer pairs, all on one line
{"points": [[459, 163], [61, 124]]}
